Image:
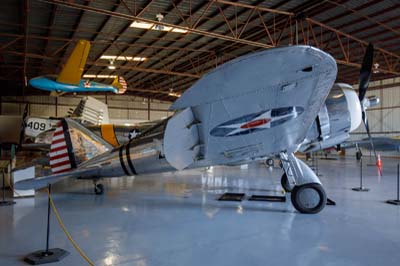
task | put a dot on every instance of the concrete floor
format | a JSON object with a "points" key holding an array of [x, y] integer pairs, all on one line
{"points": [[174, 219]]}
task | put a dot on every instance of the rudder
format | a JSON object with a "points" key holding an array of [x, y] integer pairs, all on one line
{"points": [[73, 144], [73, 69]]}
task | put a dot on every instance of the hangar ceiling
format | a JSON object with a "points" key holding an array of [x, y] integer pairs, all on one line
{"points": [[162, 47]]}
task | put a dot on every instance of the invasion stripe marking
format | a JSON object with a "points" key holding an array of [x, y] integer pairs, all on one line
{"points": [[121, 160], [128, 155]]}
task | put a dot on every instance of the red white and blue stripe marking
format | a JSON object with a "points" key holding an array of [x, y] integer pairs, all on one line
{"points": [[59, 157]]}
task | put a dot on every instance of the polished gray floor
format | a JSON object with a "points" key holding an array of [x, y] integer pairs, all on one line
{"points": [[174, 219]]}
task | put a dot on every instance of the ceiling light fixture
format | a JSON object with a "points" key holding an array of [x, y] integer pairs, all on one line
{"points": [[155, 26], [174, 94], [111, 66], [123, 58], [88, 76], [376, 68]]}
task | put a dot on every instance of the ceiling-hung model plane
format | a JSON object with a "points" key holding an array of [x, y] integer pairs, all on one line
{"points": [[70, 77], [258, 105]]}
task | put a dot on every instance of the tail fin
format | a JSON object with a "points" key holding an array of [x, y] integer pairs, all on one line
{"points": [[73, 144], [121, 85], [73, 69]]}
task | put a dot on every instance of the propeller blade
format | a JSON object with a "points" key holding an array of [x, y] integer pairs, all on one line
{"points": [[365, 72], [365, 120], [364, 78]]}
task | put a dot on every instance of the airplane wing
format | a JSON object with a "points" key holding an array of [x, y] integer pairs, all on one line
{"points": [[250, 107], [73, 69], [44, 181]]}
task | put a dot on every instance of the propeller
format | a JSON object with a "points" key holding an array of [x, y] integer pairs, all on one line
{"points": [[364, 78]]}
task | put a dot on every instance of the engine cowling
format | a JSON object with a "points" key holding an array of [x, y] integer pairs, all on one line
{"points": [[340, 115]]}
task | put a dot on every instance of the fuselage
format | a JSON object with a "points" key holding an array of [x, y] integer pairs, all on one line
{"points": [[49, 83]]}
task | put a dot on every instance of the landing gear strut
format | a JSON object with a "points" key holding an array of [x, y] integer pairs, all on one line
{"points": [[98, 189], [285, 183], [308, 195]]}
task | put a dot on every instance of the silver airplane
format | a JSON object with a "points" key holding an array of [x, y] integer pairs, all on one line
{"points": [[268, 103]]}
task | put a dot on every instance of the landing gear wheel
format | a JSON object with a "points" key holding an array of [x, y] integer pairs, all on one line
{"points": [[285, 183], [269, 162], [309, 198], [98, 189]]}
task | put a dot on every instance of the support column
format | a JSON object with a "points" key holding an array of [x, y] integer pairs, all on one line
{"points": [[56, 106], [148, 109]]}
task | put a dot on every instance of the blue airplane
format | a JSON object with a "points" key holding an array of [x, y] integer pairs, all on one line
{"points": [[70, 77]]}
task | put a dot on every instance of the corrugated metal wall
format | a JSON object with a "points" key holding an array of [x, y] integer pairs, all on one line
{"points": [[121, 107], [384, 119]]}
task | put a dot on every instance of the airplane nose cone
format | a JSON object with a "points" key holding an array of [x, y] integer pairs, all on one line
{"points": [[354, 106]]}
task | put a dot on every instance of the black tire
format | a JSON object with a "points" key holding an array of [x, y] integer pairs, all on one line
{"points": [[269, 162], [300, 192], [285, 183], [99, 189]]}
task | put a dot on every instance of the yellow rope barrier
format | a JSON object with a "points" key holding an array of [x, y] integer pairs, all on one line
{"points": [[67, 234]]}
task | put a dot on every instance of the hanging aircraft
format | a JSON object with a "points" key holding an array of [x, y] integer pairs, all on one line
{"points": [[258, 105], [69, 79]]}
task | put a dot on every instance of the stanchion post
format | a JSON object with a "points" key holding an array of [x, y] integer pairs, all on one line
{"points": [[5, 202], [47, 255], [361, 188], [397, 200]]}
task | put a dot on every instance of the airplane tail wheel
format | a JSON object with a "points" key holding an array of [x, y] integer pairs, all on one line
{"points": [[285, 183], [99, 189], [309, 198], [270, 162]]}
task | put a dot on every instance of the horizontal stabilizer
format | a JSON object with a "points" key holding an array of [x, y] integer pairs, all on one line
{"points": [[181, 140], [44, 181], [120, 84]]}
